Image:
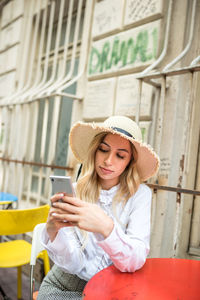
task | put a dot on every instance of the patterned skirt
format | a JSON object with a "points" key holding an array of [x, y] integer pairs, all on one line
{"points": [[58, 285]]}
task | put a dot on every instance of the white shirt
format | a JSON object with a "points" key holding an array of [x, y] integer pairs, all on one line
{"points": [[126, 247]]}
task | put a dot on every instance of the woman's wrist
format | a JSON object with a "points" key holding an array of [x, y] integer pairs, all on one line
{"points": [[108, 228], [51, 233]]}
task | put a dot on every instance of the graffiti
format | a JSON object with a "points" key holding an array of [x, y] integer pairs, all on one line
{"points": [[117, 53], [107, 16], [137, 10]]}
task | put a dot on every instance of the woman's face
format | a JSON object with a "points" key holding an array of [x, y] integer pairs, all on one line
{"points": [[112, 156]]}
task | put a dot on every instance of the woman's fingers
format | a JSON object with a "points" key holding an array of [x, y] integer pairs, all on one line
{"points": [[56, 197], [70, 218], [73, 201], [64, 212], [67, 199], [65, 206], [56, 209]]}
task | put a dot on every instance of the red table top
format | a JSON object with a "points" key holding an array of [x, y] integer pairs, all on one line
{"points": [[159, 279]]}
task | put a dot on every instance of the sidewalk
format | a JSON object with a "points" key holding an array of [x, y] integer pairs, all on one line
{"points": [[8, 282]]}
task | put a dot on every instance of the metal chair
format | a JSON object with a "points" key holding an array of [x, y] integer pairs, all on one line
{"points": [[16, 253], [37, 250], [7, 200]]}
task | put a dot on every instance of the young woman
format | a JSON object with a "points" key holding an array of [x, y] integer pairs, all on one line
{"points": [[108, 222]]}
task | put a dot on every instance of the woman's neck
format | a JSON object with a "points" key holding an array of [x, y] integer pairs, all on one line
{"points": [[108, 184]]}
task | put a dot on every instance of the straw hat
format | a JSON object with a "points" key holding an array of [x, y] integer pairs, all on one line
{"points": [[82, 134]]}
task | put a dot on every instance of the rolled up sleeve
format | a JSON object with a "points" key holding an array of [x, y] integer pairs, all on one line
{"points": [[65, 250]]}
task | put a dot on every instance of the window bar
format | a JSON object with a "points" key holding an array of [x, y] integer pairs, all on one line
{"points": [[54, 129], [18, 136], [160, 115], [43, 144], [155, 63], [32, 49], [137, 117], [24, 143], [75, 41], [17, 145], [53, 139], [47, 51], [178, 71], [33, 52], [195, 61], [33, 163], [175, 72], [84, 47], [11, 130], [60, 93], [9, 168], [191, 35], [165, 47], [56, 51], [6, 117], [82, 67], [66, 43], [25, 57], [155, 114], [40, 53], [35, 112]]}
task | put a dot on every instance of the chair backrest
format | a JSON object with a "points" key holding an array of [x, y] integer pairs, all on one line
{"points": [[17, 221], [36, 243]]}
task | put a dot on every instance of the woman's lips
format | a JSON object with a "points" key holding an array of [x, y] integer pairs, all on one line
{"points": [[105, 171]]}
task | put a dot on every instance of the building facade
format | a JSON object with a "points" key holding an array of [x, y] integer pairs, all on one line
{"points": [[68, 60]]}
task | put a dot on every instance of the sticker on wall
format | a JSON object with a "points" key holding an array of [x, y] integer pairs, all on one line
{"points": [[99, 99], [137, 10], [127, 50], [127, 95], [107, 17], [165, 166]]}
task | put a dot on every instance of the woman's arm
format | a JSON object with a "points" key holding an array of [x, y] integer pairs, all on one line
{"points": [[128, 250], [86, 216], [60, 238], [65, 250]]}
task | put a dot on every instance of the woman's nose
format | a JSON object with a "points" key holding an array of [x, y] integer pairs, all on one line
{"points": [[109, 159]]}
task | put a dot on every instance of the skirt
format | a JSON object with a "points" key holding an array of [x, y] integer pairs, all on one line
{"points": [[58, 285]]}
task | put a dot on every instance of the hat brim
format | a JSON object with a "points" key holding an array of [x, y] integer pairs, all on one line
{"points": [[82, 134]]}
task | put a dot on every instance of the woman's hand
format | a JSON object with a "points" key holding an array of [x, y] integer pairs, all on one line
{"points": [[75, 212], [54, 224]]}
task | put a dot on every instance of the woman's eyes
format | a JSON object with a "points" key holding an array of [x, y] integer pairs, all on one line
{"points": [[106, 150], [120, 156], [102, 150]]}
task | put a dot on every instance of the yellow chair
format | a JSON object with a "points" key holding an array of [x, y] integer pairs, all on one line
{"points": [[17, 253]]}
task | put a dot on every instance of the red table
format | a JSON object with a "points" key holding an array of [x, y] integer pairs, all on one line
{"points": [[159, 279]]}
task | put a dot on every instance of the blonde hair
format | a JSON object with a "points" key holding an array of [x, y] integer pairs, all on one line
{"points": [[88, 186]]}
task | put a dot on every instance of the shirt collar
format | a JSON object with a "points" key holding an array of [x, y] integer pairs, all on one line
{"points": [[106, 196]]}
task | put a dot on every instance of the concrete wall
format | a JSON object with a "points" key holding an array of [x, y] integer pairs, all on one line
{"points": [[173, 128], [123, 39]]}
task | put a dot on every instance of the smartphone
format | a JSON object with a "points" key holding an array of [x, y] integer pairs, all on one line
{"points": [[62, 184]]}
